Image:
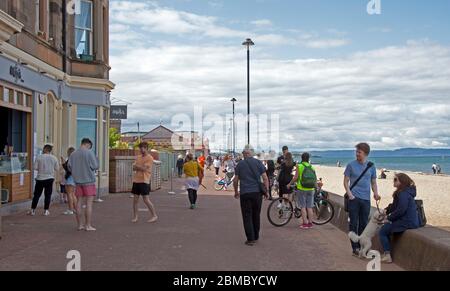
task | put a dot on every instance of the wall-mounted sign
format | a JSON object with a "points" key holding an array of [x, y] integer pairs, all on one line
{"points": [[16, 73], [119, 112]]}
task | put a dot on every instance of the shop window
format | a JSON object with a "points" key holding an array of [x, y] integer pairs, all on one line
{"points": [[87, 124], [83, 30]]}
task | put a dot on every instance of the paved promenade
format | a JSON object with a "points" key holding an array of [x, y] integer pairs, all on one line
{"points": [[209, 238]]}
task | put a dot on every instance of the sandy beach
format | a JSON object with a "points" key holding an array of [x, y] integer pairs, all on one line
{"points": [[433, 190]]}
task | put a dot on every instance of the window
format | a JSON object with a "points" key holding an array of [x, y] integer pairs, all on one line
{"points": [[49, 119], [83, 29], [87, 124]]}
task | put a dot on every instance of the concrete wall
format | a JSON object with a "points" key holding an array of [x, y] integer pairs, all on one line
{"points": [[425, 249]]}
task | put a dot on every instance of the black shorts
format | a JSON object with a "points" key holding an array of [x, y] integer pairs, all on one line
{"points": [[141, 189]]}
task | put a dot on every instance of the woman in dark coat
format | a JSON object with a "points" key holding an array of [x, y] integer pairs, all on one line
{"points": [[401, 214]]}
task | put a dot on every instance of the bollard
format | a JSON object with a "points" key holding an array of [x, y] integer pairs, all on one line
{"points": [[171, 183], [97, 198]]}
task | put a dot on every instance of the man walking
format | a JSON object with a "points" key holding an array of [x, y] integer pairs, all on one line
{"points": [[83, 164], [46, 165], [359, 198], [142, 181], [248, 175]]}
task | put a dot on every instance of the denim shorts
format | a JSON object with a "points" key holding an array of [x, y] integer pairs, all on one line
{"points": [[305, 198]]}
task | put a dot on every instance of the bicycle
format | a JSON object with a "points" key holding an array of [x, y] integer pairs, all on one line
{"points": [[223, 183], [282, 210]]}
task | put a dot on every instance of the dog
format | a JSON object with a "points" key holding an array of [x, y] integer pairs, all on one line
{"points": [[365, 239]]}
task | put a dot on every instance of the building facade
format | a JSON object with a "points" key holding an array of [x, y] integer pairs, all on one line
{"points": [[54, 86]]}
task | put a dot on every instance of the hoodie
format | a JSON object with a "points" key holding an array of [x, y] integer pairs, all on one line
{"points": [[403, 211]]}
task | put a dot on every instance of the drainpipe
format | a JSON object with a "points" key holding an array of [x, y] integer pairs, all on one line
{"points": [[64, 34]]}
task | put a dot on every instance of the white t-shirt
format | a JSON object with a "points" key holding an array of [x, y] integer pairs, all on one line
{"points": [[46, 165], [231, 165], [217, 163]]}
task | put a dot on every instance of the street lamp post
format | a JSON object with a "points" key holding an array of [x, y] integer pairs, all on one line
{"points": [[248, 43], [234, 127]]}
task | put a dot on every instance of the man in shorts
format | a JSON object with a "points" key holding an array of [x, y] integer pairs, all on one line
{"points": [[142, 182], [306, 189], [82, 164]]}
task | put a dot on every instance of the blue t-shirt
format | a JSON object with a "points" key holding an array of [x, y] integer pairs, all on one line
{"points": [[249, 182], [363, 189]]}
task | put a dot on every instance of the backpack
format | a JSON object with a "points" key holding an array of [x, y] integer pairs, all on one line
{"points": [[421, 213], [309, 177]]}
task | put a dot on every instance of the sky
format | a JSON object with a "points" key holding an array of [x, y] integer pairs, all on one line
{"points": [[334, 74]]}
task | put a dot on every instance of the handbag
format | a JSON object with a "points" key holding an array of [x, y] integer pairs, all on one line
{"points": [[346, 197], [262, 186]]}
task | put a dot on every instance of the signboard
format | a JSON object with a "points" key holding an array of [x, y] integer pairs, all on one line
{"points": [[119, 112]]}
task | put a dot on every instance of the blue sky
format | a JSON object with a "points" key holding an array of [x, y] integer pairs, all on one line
{"points": [[383, 71]]}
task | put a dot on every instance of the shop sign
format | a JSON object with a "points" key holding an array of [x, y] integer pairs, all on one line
{"points": [[119, 112]]}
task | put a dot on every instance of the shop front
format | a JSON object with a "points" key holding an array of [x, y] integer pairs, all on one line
{"points": [[38, 109], [15, 143]]}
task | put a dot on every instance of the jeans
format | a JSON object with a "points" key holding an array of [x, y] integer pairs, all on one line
{"points": [[192, 196], [47, 187], [359, 212], [217, 171], [180, 171], [251, 204], [385, 236]]}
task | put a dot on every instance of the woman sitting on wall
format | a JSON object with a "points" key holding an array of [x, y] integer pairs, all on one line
{"points": [[401, 214]]}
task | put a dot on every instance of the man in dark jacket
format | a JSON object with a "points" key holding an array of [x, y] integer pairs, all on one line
{"points": [[401, 214]]}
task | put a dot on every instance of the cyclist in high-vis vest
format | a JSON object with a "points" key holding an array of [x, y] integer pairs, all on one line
{"points": [[306, 183]]}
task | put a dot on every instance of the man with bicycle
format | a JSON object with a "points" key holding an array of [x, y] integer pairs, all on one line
{"points": [[305, 180]]}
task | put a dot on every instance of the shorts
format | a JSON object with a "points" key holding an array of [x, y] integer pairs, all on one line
{"points": [[70, 181], [141, 189], [86, 191], [305, 198]]}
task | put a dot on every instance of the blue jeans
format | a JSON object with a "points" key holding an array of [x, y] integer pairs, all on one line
{"points": [[385, 236], [359, 212]]}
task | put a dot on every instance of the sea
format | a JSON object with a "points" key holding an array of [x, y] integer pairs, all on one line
{"points": [[422, 164]]}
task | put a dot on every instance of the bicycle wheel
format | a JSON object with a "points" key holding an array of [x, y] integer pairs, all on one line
{"points": [[323, 212], [219, 185], [280, 212]]}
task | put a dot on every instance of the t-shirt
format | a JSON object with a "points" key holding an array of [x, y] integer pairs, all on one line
{"points": [[46, 165], [249, 182], [83, 163], [217, 163], [231, 165], [143, 176], [201, 161], [191, 169], [363, 189]]}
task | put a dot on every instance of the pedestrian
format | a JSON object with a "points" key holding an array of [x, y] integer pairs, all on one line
{"points": [[401, 214], [249, 174], [192, 170], [142, 176], [285, 176], [202, 160], [305, 179], [359, 198], [270, 171], [438, 169], [217, 164], [47, 167], [434, 168], [230, 166], [281, 158], [82, 164], [180, 163], [209, 161], [69, 184]]}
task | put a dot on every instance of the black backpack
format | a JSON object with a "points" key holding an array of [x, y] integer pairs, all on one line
{"points": [[421, 212]]}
